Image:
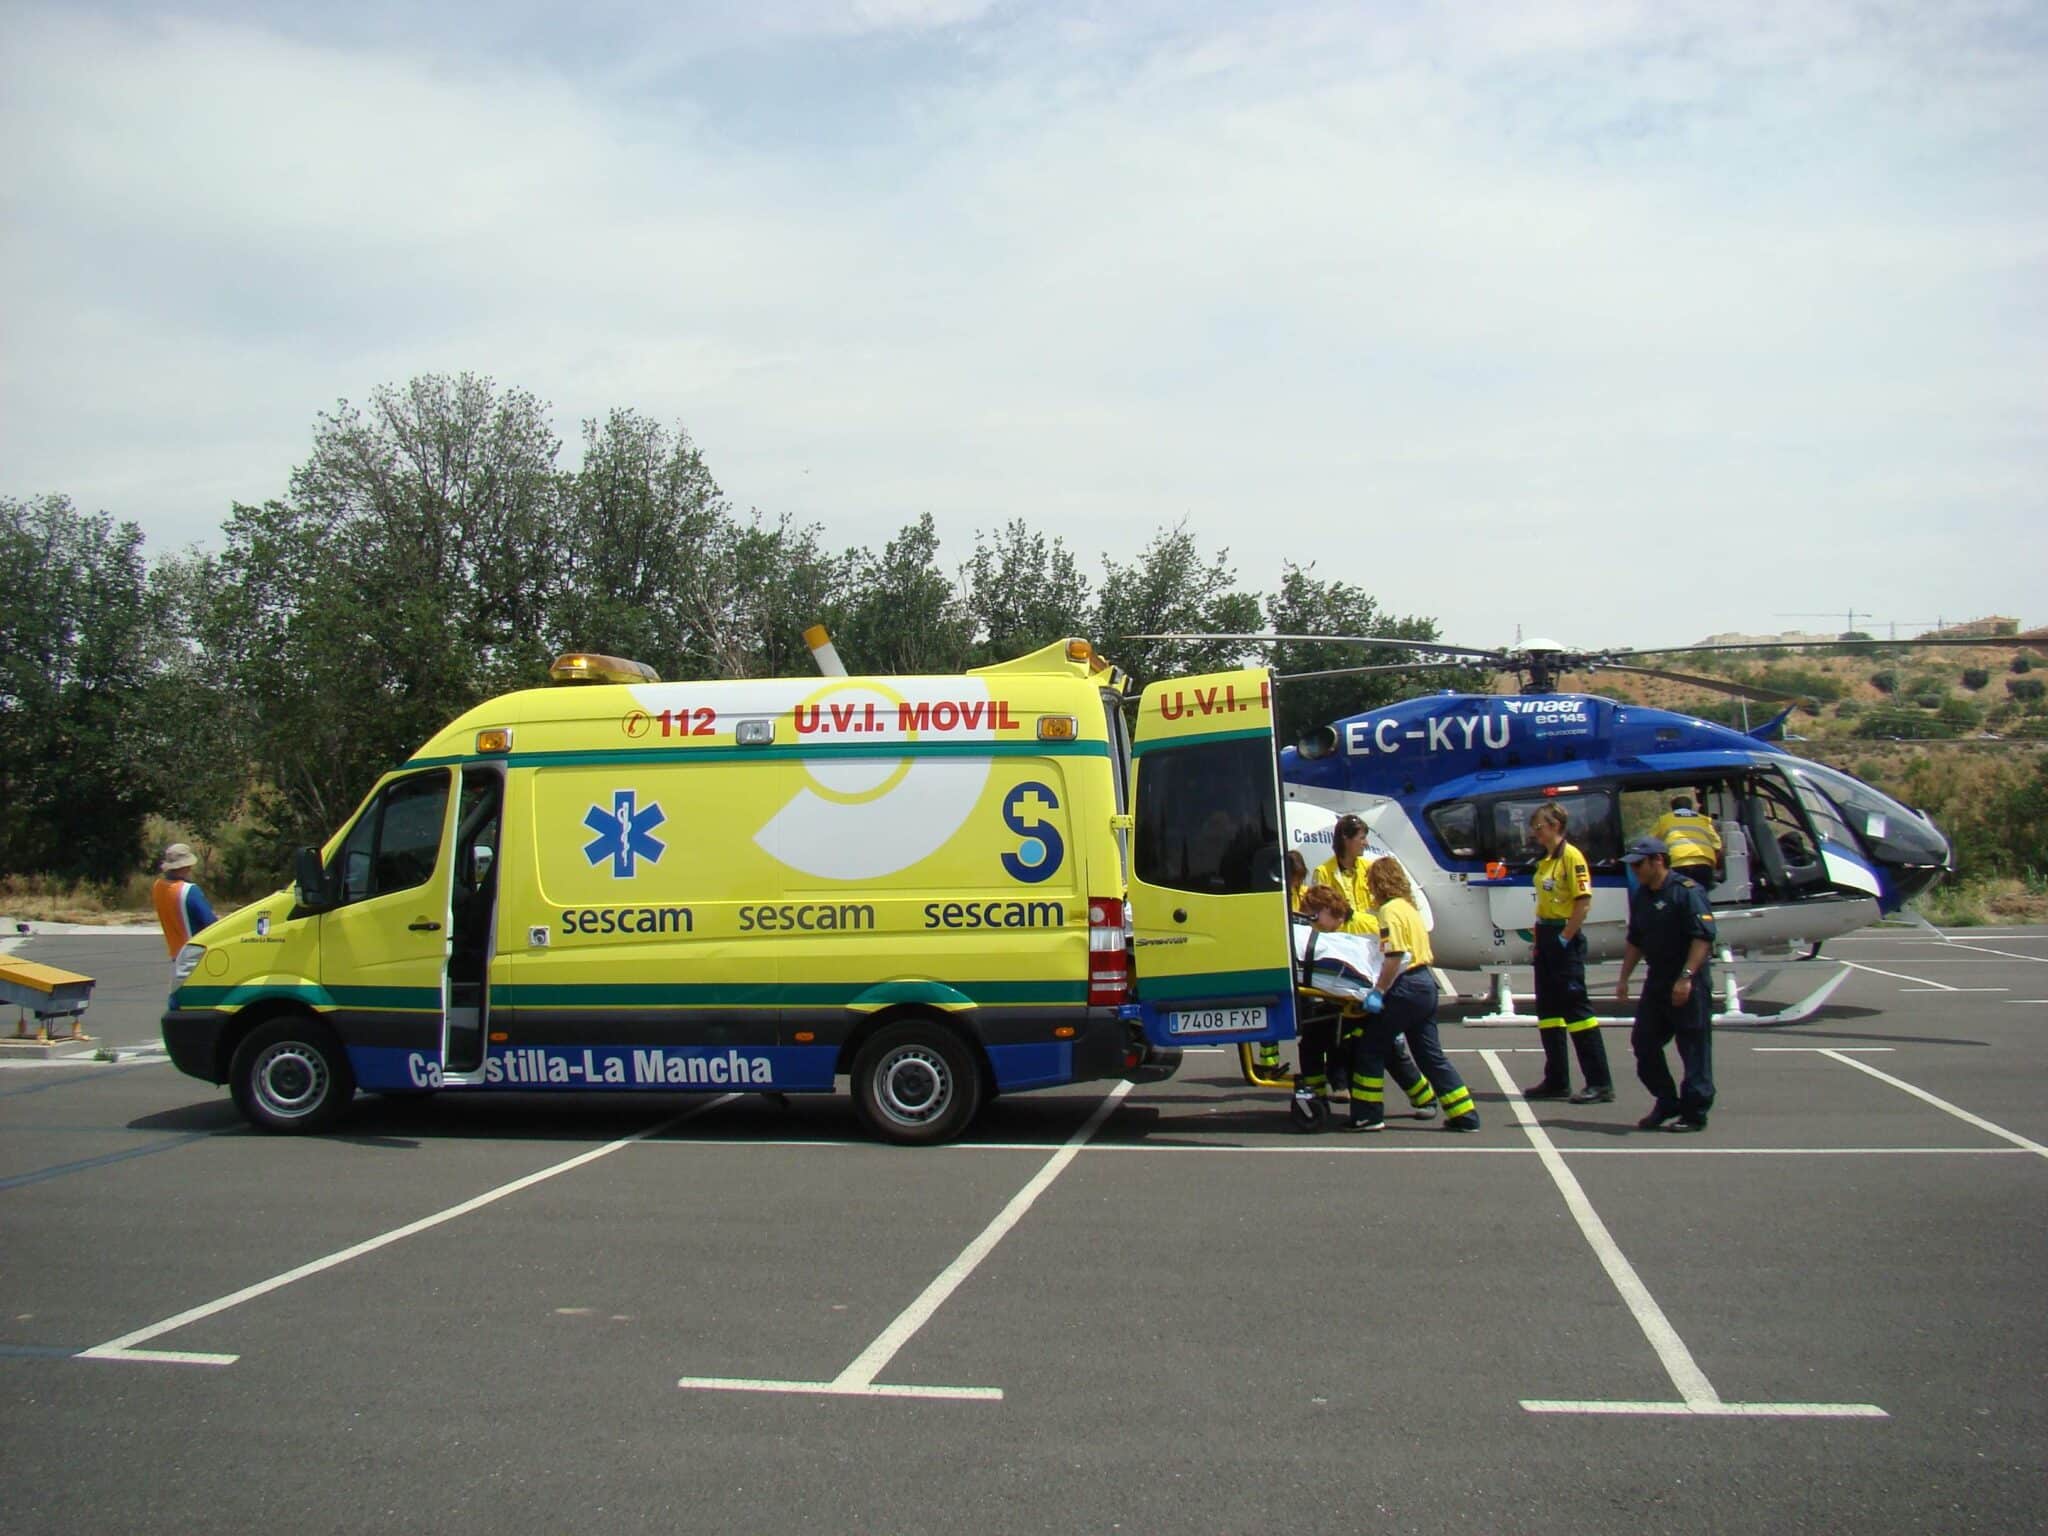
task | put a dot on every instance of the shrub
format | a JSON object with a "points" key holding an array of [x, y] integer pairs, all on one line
{"points": [[2026, 689], [1929, 700], [1807, 680], [1886, 681], [1848, 709], [1905, 724], [2023, 664], [1961, 714], [1975, 678]]}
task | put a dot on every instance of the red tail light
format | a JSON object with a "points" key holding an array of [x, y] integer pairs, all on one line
{"points": [[1109, 962]]}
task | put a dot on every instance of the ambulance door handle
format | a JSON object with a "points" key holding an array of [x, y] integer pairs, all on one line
{"points": [[424, 925]]}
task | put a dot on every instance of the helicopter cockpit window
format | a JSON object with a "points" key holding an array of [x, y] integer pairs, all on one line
{"points": [[1827, 822], [1457, 828], [1591, 824]]}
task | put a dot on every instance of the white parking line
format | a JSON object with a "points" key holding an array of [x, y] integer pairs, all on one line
{"points": [[858, 1379], [124, 1348], [1942, 1104], [2004, 954], [1922, 983], [1696, 1394]]}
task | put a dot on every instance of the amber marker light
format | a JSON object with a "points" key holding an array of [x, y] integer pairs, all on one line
{"points": [[1081, 651], [1063, 1032], [591, 667], [803, 1037], [492, 742], [499, 1037], [1057, 728]]}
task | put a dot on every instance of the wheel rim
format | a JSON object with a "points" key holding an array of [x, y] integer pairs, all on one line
{"points": [[291, 1080], [913, 1085]]}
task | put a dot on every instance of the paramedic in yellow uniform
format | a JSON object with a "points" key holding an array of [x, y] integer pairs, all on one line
{"points": [[1408, 1008], [1345, 871], [1694, 841], [1564, 895]]}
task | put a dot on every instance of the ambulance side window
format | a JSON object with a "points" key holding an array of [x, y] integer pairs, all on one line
{"points": [[396, 842], [1207, 820]]}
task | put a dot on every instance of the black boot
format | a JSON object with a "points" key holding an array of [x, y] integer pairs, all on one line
{"points": [[1592, 1054], [1557, 1075]]}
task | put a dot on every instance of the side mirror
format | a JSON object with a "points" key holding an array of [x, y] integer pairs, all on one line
{"points": [[315, 890]]}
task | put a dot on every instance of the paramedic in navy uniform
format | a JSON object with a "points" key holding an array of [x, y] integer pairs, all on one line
{"points": [[1671, 925]]}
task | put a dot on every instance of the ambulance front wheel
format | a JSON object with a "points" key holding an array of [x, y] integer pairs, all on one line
{"points": [[916, 1083], [291, 1075]]}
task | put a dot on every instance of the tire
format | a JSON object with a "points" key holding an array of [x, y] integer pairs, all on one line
{"points": [[916, 1083], [292, 1077]]}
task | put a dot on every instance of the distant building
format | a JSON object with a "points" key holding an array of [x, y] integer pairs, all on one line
{"points": [[1996, 624], [1789, 637]]}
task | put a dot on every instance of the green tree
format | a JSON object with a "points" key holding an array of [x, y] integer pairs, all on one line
{"points": [[897, 612], [1171, 588], [79, 631], [412, 571], [1976, 678], [641, 522], [1307, 605], [2026, 689], [1022, 592]]}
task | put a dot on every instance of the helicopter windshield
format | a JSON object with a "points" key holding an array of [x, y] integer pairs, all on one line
{"points": [[1887, 830]]}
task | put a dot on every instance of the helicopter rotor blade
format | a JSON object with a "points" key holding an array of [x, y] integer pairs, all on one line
{"points": [[1410, 666], [1716, 684], [1396, 642], [2003, 641]]}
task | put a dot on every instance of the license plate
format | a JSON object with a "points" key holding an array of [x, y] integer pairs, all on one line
{"points": [[1216, 1021]]}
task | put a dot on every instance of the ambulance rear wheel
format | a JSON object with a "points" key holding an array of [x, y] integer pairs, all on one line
{"points": [[291, 1075], [916, 1083]]}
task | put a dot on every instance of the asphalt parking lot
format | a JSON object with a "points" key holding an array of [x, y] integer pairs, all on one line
{"points": [[1112, 1309]]}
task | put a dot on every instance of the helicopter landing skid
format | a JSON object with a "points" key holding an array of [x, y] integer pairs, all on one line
{"points": [[1733, 1009]]}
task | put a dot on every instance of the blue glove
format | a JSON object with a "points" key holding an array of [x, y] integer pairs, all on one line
{"points": [[1563, 942], [1374, 1001]]}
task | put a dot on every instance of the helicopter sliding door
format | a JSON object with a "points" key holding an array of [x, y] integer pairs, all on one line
{"points": [[1784, 845], [1214, 951]]}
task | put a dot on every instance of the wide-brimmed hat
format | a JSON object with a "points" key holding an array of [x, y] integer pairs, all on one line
{"points": [[178, 856]]}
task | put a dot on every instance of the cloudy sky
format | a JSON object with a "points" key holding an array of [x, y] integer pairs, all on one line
{"points": [[1618, 321]]}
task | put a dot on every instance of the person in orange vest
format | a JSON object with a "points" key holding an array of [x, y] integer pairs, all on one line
{"points": [[181, 907]]}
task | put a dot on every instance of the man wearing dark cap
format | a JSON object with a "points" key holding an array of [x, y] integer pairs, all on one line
{"points": [[1671, 926]]}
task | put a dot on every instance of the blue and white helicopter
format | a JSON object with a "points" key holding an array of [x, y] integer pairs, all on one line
{"points": [[1447, 783]]}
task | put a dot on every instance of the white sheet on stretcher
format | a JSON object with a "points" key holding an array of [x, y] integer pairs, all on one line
{"points": [[1340, 964]]}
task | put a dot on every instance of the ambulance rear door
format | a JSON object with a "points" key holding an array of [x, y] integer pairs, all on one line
{"points": [[1214, 957]]}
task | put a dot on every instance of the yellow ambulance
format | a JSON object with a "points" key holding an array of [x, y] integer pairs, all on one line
{"points": [[940, 888]]}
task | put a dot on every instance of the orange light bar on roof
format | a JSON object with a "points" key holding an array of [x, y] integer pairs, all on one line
{"points": [[590, 667], [1081, 651]]}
